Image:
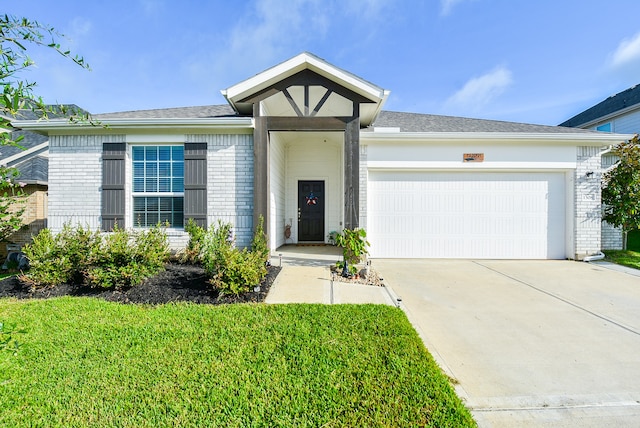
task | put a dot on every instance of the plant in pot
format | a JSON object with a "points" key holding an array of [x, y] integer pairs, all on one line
{"points": [[354, 248]]}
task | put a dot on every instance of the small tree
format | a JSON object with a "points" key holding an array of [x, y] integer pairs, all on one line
{"points": [[16, 34], [621, 189]]}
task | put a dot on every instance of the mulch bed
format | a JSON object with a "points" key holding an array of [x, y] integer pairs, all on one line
{"points": [[178, 283]]}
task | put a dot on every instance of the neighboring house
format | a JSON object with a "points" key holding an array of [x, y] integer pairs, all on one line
{"points": [[307, 145], [619, 113], [31, 160]]}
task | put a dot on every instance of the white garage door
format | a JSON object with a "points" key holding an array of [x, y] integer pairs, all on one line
{"points": [[466, 215]]}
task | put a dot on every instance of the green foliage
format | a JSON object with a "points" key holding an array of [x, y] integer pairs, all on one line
{"points": [[49, 263], [191, 254], [231, 270], [78, 255], [16, 34], [621, 188], [11, 202], [354, 245], [259, 244]]}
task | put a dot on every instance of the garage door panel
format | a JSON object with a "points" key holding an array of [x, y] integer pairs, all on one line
{"points": [[466, 215]]}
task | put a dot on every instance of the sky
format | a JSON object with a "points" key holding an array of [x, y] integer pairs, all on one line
{"points": [[530, 61]]}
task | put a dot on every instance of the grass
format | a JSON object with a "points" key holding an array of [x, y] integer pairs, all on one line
{"points": [[629, 257], [4, 275], [86, 362]]}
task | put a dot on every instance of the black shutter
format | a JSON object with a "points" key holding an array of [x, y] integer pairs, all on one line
{"points": [[195, 183], [113, 182]]}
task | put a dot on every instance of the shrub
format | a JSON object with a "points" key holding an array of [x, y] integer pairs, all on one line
{"points": [[259, 244], [49, 263], [79, 255], [127, 258], [231, 270], [192, 253]]}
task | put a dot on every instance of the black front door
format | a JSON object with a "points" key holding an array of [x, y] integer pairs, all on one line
{"points": [[311, 211]]}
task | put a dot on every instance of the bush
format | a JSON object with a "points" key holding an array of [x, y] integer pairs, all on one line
{"points": [[62, 258], [77, 255], [191, 254], [259, 244], [231, 270]]}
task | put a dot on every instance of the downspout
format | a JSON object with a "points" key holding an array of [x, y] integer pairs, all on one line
{"points": [[598, 256]]}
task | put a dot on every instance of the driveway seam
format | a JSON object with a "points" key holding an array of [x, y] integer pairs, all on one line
{"points": [[562, 299]]}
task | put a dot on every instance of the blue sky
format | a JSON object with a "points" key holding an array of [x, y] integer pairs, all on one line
{"points": [[539, 61]]}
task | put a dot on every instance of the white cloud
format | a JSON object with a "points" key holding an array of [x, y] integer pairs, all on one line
{"points": [[481, 90], [446, 6], [628, 51]]}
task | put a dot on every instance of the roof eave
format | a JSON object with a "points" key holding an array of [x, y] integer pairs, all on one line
{"points": [[137, 123], [596, 139]]}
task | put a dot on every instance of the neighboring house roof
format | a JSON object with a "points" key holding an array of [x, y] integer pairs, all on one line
{"points": [[30, 158], [417, 122], [34, 170], [615, 103]]}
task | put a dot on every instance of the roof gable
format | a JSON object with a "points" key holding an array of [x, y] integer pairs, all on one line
{"points": [[242, 95]]}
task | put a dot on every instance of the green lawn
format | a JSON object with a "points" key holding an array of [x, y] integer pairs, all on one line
{"points": [[629, 257], [86, 362], [623, 257]]}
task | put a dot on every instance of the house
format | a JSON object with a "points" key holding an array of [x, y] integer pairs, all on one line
{"points": [[308, 146], [31, 161], [618, 113]]}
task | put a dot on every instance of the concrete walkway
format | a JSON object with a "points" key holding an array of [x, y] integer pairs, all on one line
{"points": [[305, 278]]}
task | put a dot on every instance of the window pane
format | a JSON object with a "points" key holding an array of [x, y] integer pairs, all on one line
{"points": [[138, 153], [178, 204], [166, 218], [178, 169], [152, 219], [164, 169], [152, 204], [151, 153], [152, 185], [178, 185], [152, 169], [178, 153], [138, 184], [164, 185], [138, 169], [164, 153], [165, 204], [139, 204]]}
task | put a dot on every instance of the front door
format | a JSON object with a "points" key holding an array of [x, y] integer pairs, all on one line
{"points": [[311, 211]]}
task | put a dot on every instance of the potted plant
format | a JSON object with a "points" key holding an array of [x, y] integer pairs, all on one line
{"points": [[354, 248]]}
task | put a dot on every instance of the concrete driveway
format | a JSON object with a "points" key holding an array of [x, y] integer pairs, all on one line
{"points": [[530, 343]]}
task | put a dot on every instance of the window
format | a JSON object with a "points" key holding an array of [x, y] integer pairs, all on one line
{"points": [[158, 185], [604, 127]]}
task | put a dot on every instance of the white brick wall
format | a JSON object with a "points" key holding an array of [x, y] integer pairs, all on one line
{"points": [[230, 182], [587, 202], [75, 176]]}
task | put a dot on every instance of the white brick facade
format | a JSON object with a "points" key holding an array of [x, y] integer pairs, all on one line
{"points": [[588, 208], [230, 182], [75, 176]]}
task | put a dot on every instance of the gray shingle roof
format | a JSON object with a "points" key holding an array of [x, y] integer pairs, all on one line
{"points": [[407, 122], [614, 103], [417, 122], [198, 112], [31, 139], [34, 170]]}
